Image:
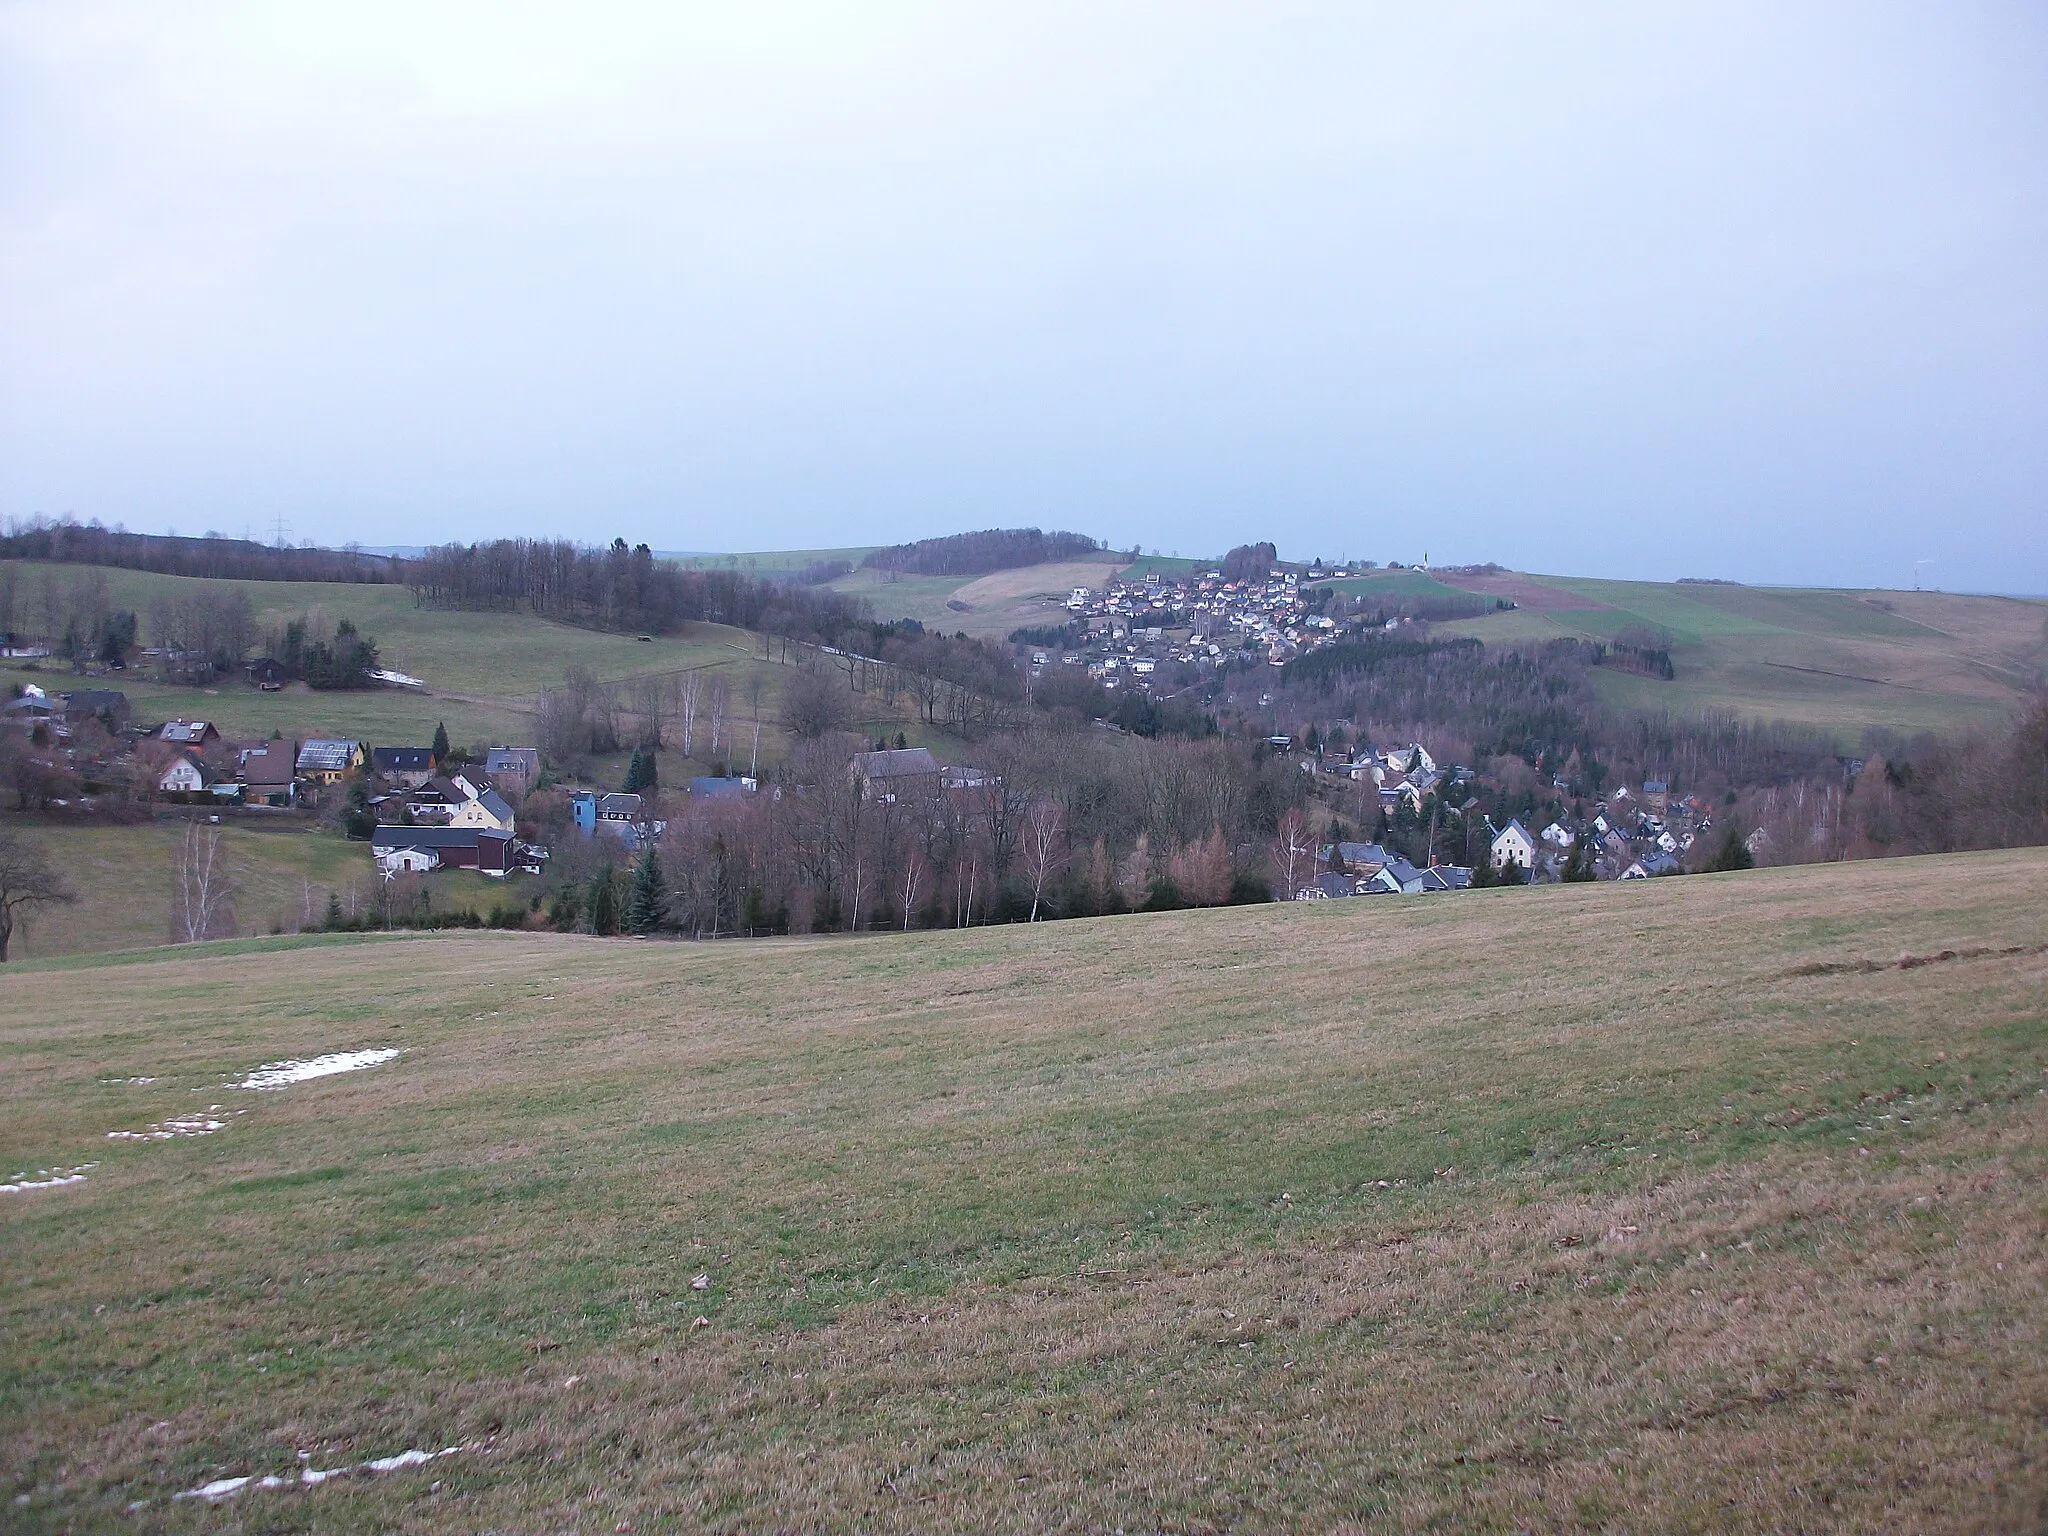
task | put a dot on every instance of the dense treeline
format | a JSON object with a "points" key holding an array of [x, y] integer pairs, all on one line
{"points": [[1535, 703], [622, 588], [1249, 562], [1650, 660], [171, 555], [1065, 824], [1930, 795], [977, 554]]}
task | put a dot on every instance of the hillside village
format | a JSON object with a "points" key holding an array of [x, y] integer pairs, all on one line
{"points": [[419, 809], [1198, 621]]}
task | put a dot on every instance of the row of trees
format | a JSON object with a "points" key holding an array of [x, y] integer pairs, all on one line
{"points": [[977, 554], [1064, 824], [621, 587], [76, 543], [697, 710], [1933, 795]]}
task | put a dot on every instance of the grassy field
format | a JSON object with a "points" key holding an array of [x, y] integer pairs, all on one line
{"points": [[1396, 584], [1687, 1206], [125, 878], [1839, 659], [482, 670], [1844, 660]]}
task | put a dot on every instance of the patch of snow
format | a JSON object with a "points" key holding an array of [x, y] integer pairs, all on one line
{"points": [[176, 1126], [282, 1074], [310, 1477], [219, 1488], [47, 1178]]}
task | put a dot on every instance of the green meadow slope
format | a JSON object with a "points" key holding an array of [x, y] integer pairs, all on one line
{"points": [[481, 670], [1844, 660], [1703, 1204]]}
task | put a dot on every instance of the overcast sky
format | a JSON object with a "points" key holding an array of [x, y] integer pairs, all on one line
{"points": [[1757, 292]]}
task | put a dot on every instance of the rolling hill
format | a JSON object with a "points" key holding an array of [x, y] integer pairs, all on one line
{"points": [[1496, 1213], [1842, 659]]}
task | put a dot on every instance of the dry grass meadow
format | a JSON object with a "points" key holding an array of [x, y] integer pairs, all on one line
{"points": [[1705, 1204]]}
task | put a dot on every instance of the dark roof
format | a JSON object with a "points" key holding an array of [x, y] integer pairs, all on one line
{"points": [[275, 762], [716, 789], [1362, 853], [90, 701], [402, 759], [902, 762], [327, 755], [495, 803], [521, 762], [433, 837]]}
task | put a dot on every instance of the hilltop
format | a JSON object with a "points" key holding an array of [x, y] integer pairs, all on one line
{"points": [[1493, 1213]]}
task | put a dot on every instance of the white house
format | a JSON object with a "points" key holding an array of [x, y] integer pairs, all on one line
{"points": [[182, 777], [410, 861], [1514, 842], [1558, 836]]}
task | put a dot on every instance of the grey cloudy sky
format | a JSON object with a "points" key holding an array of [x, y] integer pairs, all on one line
{"points": [[1752, 291]]}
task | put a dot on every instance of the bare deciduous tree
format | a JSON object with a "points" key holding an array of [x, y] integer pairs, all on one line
{"points": [[27, 879], [1295, 849], [691, 683], [721, 696], [1042, 834], [651, 700], [203, 904]]}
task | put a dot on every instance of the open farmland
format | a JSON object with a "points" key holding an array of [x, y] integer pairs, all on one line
{"points": [[482, 670], [1685, 1206], [284, 870], [1843, 660]]}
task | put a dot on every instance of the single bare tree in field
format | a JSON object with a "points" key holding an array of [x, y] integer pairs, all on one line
{"points": [[27, 879], [1042, 832], [1296, 847], [203, 904]]}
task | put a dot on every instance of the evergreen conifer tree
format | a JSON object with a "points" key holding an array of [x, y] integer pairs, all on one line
{"points": [[1733, 853], [602, 904], [440, 744], [1577, 867], [633, 771], [334, 919], [643, 903]]}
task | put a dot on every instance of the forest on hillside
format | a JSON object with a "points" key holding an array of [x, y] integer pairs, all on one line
{"points": [[171, 555], [979, 554]]}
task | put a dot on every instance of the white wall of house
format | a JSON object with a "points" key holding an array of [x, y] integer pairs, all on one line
{"points": [[473, 813], [182, 777], [1514, 844]]}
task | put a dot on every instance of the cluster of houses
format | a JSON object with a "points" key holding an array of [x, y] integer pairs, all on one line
{"points": [[1199, 620], [1367, 869], [429, 815], [459, 819], [1399, 773], [1633, 834]]}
